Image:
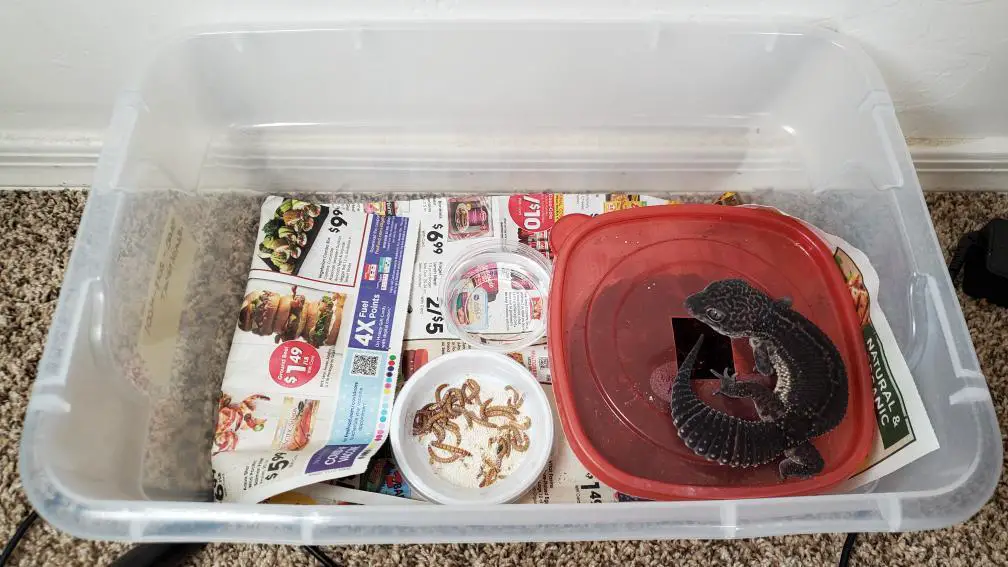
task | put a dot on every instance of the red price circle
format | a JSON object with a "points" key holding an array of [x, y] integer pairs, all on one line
{"points": [[294, 364], [533, 212]]}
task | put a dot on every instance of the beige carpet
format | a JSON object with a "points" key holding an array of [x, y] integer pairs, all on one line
{"points": [[39, 228]]}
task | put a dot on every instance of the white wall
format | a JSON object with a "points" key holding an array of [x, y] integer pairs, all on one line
{"points": [[62, 61]]}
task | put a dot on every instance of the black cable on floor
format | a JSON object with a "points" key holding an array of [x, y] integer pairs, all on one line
{"points": [[158, 555], [848, 549], [318, 554], [959, 254], [18, 534]]}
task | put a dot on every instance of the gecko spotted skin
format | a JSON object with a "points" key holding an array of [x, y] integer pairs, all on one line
{"points": [[809, 398]]}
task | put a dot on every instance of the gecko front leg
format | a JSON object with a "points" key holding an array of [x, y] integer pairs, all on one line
{"points": [[761, 356], [768, 406]]}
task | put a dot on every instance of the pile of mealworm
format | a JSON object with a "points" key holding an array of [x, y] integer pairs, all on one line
{"points": [[452, 406]]}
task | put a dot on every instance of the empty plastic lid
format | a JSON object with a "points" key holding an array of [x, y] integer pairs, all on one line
{"points": [[618, 329]]}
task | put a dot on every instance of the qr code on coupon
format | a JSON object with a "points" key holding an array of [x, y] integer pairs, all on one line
{"points": [[364, 364]]}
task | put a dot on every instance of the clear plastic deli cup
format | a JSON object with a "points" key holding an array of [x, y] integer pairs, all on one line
{"points": [[495, 294]]}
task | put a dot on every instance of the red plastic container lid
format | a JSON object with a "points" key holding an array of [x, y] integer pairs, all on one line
{"points": [[620, 280]]}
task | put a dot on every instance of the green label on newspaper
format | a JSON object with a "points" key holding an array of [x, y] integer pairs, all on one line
{"points": [[893, 424]]}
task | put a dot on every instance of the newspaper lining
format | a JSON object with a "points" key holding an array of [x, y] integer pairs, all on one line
{"points": [[904, 432], [310, 377]]}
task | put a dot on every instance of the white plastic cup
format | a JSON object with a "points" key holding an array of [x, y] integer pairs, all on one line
{"points": [[491, 370]]}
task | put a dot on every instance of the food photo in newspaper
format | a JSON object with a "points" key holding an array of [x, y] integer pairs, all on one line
{"points": [[310, 376]]}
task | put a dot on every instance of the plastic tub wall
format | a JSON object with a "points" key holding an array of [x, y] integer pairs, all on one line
{"points": [[797, 118]]}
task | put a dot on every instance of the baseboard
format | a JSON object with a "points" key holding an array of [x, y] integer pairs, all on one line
{"points": [[44, 160], [961, 165]]}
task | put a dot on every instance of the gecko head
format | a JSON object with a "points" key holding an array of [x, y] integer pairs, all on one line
{"points": [[733, 308]]}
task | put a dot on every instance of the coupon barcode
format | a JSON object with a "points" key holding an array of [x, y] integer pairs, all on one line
{"points": [[364, 364]]}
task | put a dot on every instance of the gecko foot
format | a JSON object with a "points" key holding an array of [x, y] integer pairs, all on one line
{"points": [[802, 461], [729, 386]]}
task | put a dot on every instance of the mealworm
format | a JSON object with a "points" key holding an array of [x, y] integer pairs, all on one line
{"points": [[456, 453], [470, 415], [474, 390], [502, 448], [437, 393], [502, 411], [517, 398], [453, 428], [438, 418], [489, 472]]}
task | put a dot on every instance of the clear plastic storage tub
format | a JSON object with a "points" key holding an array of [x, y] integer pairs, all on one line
{"points": [[117, 438]]}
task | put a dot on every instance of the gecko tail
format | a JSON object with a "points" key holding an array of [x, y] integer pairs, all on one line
{"points": [[713, 434]]}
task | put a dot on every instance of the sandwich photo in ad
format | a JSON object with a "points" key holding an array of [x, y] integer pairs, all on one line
{"points": [[288, 316]]}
